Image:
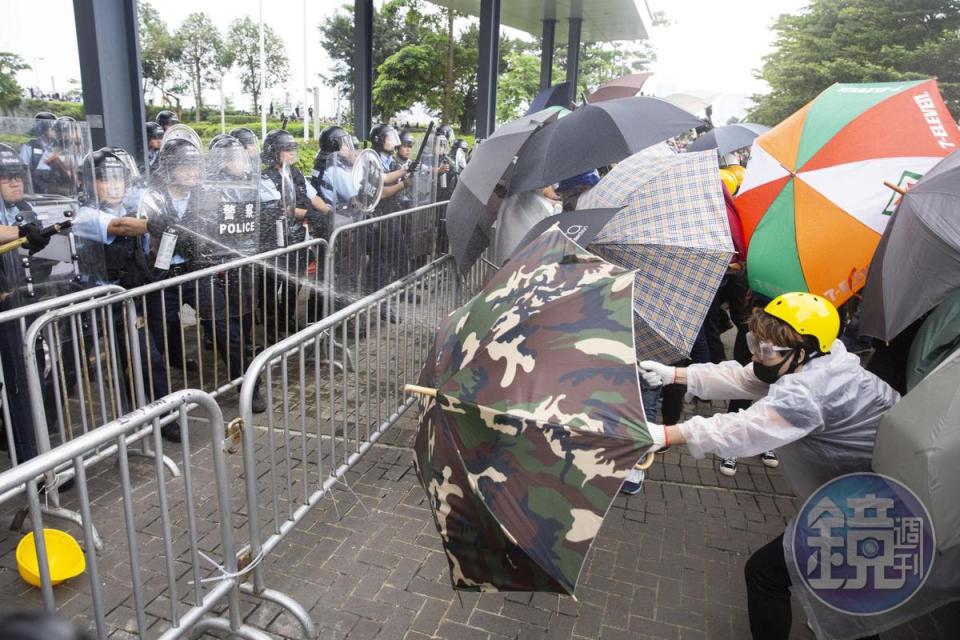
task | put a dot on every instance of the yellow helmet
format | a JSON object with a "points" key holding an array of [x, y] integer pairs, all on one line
{"points": [[737, 171], [730, 180], [808, 315]]}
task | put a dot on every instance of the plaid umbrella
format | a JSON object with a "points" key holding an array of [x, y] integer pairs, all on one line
{"points": [[673, 230], [531, 418]]}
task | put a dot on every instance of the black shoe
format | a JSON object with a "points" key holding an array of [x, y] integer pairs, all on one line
{"points": [[259, 405], [171, 433]]}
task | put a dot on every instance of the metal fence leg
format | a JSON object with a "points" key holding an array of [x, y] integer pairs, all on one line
{"points": [[284, 601]]}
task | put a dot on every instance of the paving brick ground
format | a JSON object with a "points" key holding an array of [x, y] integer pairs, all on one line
{"points": [[667, 564], [366, 561]]}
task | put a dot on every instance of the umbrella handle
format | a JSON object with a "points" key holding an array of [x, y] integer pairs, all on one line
{"points": [[890, 185], [646, 462], [13, 245], [422, 391]]}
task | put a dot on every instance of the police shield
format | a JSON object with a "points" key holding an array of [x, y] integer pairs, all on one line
{"points": [[228, 223], [70, 260], [425, 176], [352, 183]]}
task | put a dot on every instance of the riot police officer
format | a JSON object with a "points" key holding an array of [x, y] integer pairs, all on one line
{"points": [[13, 211], [288, 204], [167, 119], [386, 140], [40, 152], [105, 219], [333, 139], [172, 207], [154, 140], [447, 179]]}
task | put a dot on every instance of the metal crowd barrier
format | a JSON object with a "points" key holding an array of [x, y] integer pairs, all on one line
{"points": [[329, 414], [180, 564], [366, 255]]}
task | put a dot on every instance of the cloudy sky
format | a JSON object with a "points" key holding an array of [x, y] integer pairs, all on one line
{"points": [[709, 47]]}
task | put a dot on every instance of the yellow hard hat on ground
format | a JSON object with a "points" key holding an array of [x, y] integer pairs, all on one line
{"points": [[730, 180], [809, 315], [64, 557]]}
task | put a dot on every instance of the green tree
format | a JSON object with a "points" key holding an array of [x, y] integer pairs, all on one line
{"points": [[10, 65], [159, 54], [859, 41], [244, 46], [603, 61], [518, 83], [203, 56], [395, 25]]}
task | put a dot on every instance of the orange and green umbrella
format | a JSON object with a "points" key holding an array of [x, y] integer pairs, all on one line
{"points": [[813, 202]]}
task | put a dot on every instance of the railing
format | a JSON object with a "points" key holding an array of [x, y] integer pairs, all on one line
{"points": [[180, 537]]}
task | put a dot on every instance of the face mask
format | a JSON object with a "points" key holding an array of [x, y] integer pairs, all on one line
{"points": [[770, 373]]}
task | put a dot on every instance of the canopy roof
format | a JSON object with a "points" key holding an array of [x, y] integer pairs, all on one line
{"points": [[603, 20]]}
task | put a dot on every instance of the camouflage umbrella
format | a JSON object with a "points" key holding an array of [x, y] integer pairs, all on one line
{"points": [[531, 418]]}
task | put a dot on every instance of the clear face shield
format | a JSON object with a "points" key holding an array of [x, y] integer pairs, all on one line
{"points": [[111, 185], [229, 162], [391, 140]]}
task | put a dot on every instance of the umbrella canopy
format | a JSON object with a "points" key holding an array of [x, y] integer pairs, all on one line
{"points": [[594, 136], [628, 85], [556, 96], [581, 226], [813, 203], [918, 443], [937, 338], [673, 229], [728, 138], [918, 260], [693, 101], [473, 205], [537, 418]]}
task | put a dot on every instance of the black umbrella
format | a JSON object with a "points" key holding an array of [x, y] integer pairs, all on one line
{"points": [[596, 135], [728, 138], [473, 203], [581, 226], [917, 263], [556, 96]]}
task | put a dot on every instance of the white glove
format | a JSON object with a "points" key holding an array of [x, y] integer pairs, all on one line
{"points": [[656, 374], [658, 433]]}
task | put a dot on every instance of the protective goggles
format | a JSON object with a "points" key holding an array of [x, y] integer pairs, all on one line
{"points": [[764, 349]]}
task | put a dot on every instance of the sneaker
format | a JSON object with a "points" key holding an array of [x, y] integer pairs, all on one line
{"points": [[728, 467], [633, 483], [770, 459]]}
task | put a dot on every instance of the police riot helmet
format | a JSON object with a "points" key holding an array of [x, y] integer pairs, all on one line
{"points": [[333, 138], [154, 131], [276, 141], [245, 136], [218, 138], [383, 134], [10, 164], [176, 153], [106, 167], [167, 119], [133, 172], [446, 131], [406, 139], [44, 121], [12, 167], [228, 157]]}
